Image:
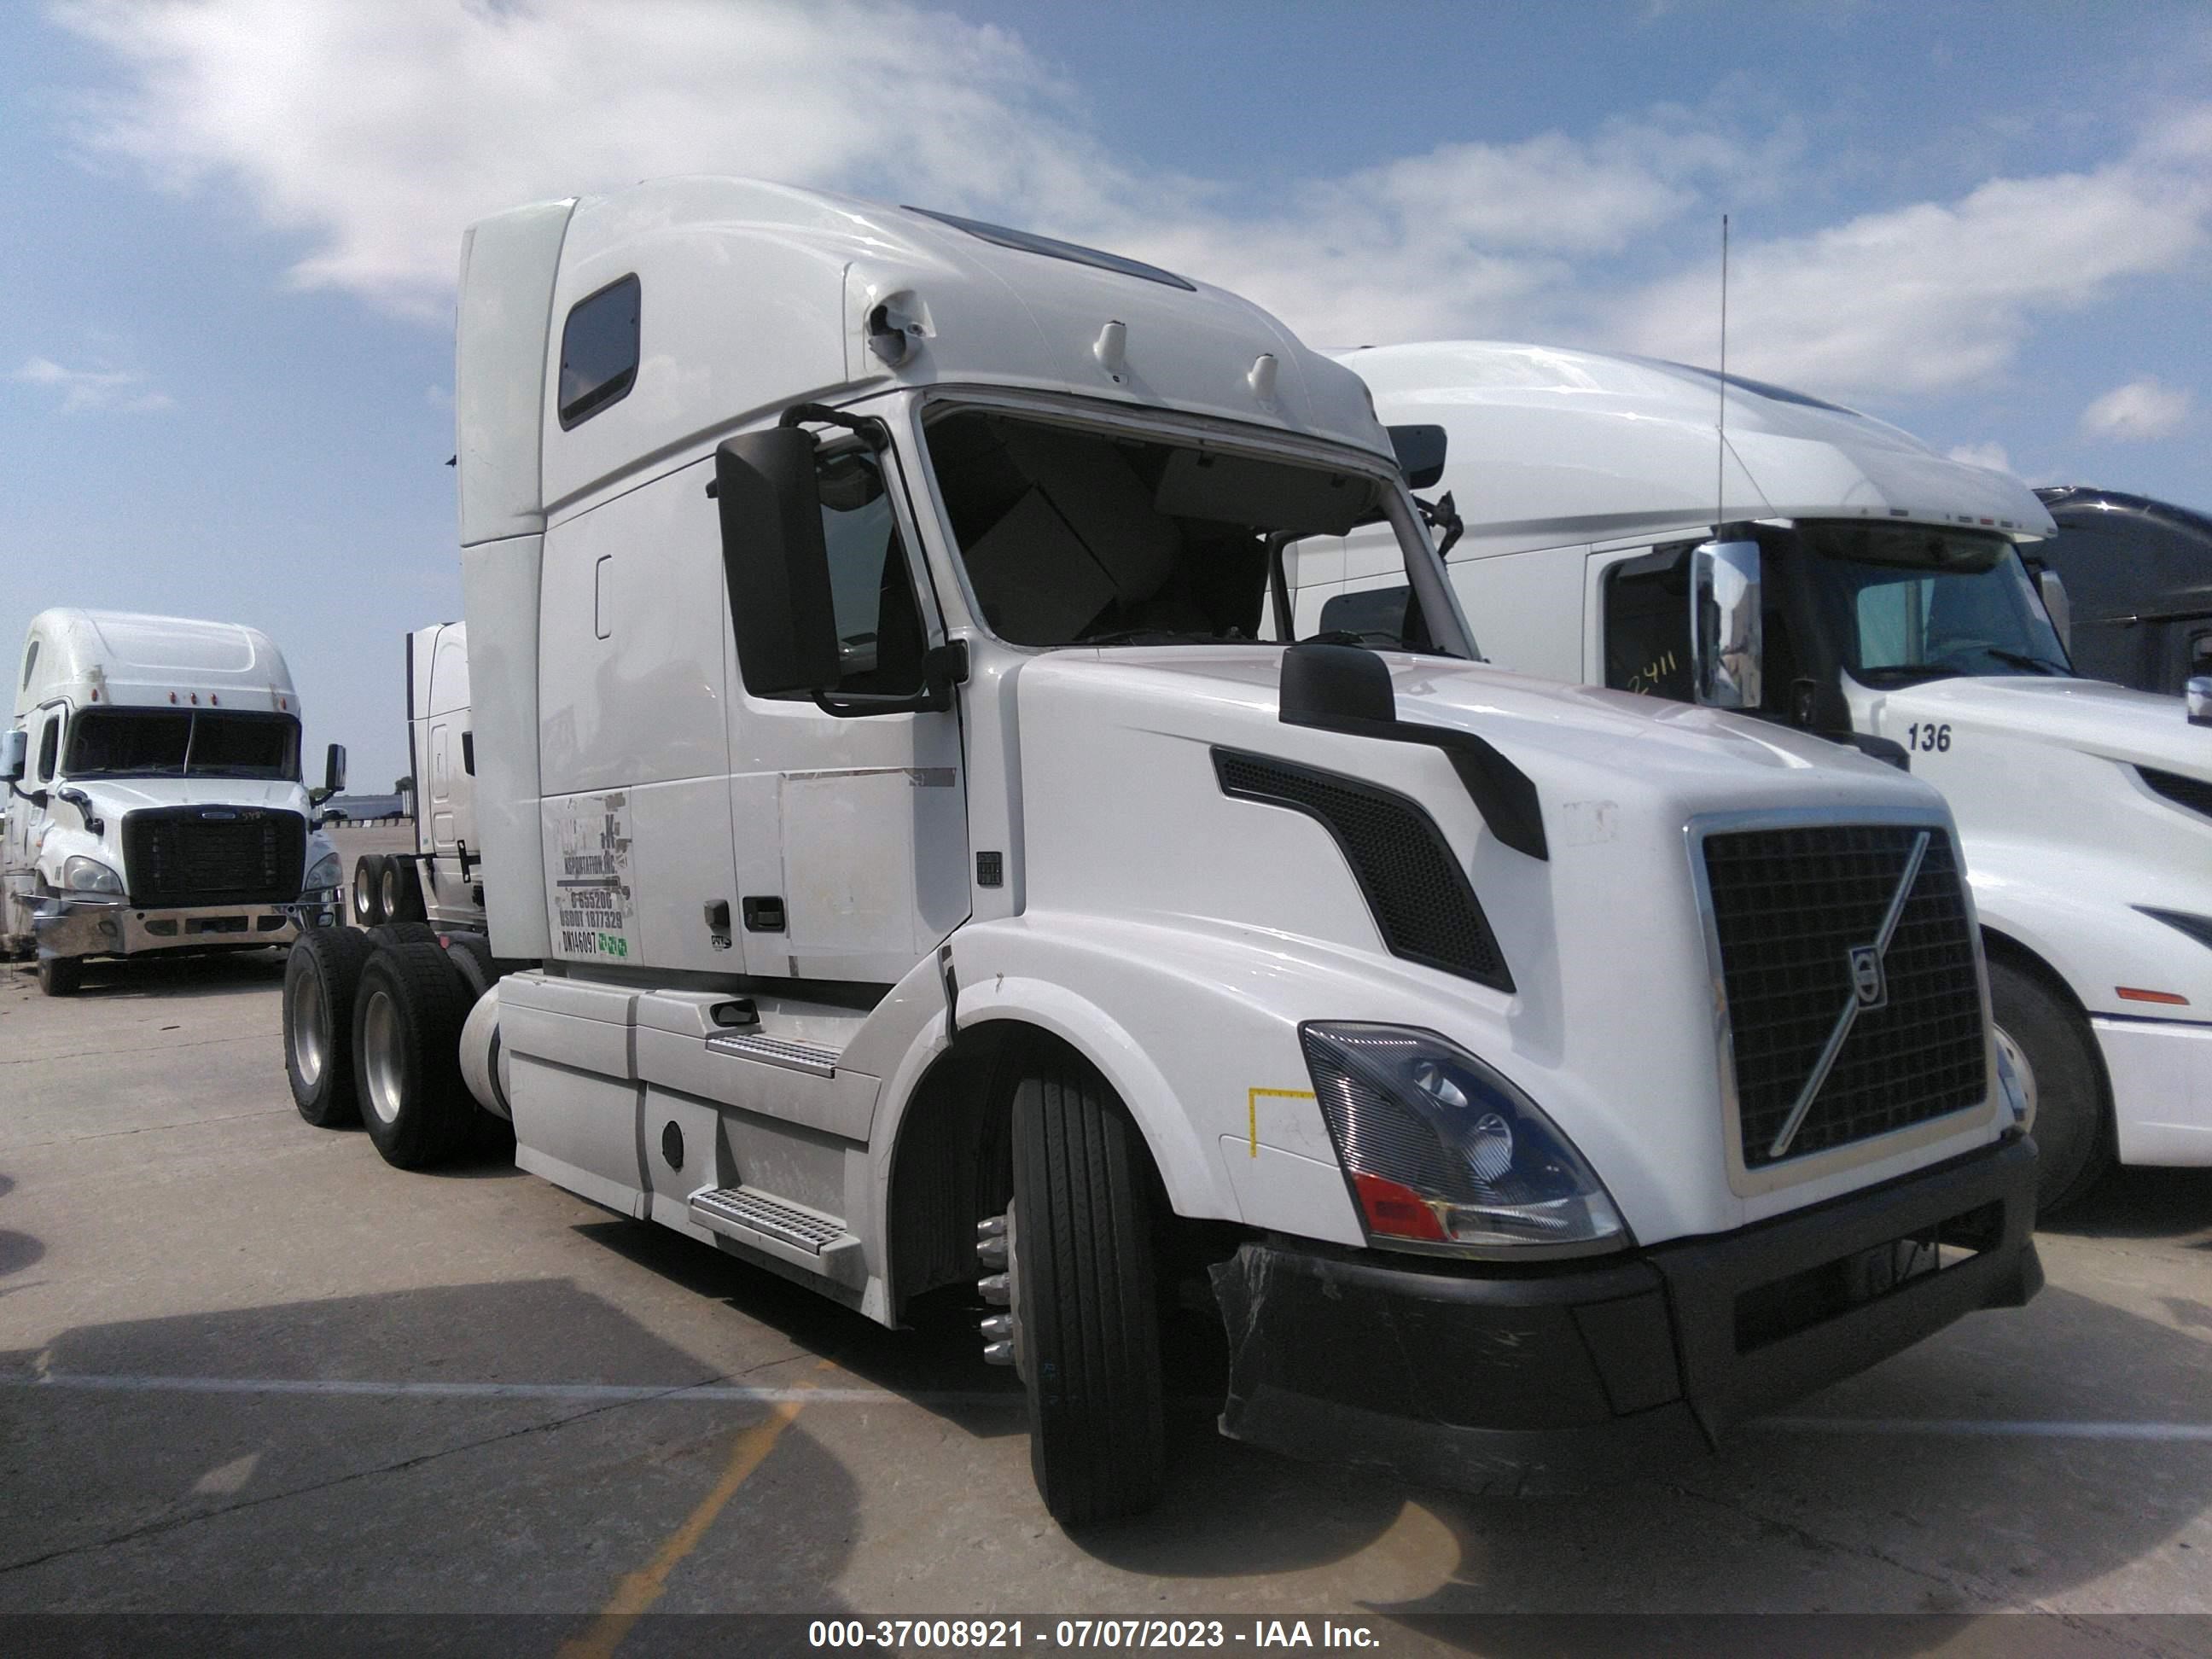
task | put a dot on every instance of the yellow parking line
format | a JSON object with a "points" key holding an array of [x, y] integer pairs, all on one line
{"points": [[639, 1590]]}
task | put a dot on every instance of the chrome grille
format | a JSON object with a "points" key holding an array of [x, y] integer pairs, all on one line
{"points": [[1792, 908]]}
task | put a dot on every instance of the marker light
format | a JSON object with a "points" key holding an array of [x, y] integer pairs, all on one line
{"points": [[2135, 994], [1443, 1151]]}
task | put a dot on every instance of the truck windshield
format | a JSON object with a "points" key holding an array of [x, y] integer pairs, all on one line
{"points": [[1910, 602], [178, 743], [1081, 538]]}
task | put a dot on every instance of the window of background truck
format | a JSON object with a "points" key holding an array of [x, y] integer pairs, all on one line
{"points": [[1072, 537], [1646, 625], [1913, 603], [50, 743], [599, 351], [881, 639], [30, 662]]}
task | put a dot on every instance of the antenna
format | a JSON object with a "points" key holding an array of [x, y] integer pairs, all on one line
{"points": [[1720, 422]]}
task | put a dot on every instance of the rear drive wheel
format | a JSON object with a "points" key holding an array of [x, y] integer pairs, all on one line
{"points": [[402, 889], [1084, 1299], [61, 977], [407, 1026], [368, 889], [2052, 1049], [322, 973]]}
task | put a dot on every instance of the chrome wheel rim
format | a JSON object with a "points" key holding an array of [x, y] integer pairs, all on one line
{"points": [[311, 1029], [2021, 1070], [379, 1054]]}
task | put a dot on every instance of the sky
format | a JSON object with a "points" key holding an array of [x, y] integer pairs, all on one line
{"points": [[229, 228]]}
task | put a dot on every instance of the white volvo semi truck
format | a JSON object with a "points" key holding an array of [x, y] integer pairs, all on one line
{"points": [[154, 801], [1865, 587], [924, 870]]}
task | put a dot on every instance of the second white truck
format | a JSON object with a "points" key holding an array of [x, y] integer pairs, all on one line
{"points": [[917, 877], [1832, 574]]}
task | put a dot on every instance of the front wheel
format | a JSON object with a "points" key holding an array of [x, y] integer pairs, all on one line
{"points": [[1085, 1299], [61, 977], [2050, 1046]]}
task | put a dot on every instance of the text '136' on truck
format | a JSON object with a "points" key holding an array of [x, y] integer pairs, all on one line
{"points": [[155, 802], [908, 866], [1863, 587]]}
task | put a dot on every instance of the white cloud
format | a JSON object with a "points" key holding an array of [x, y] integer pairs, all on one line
{"points": [[1986, 453], [2138, 412], [84, 389], [1936, 295], [374, 134]]}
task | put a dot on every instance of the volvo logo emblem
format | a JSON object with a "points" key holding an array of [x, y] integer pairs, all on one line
{"points": [[1868, 983]]}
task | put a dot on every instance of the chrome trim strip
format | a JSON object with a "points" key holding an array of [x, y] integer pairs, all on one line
{"points": [[777, 1051]]}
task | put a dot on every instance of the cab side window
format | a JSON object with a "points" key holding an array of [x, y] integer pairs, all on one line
{"points": [[1647, 625], [50, 745], [599, 351], [881, 639]]}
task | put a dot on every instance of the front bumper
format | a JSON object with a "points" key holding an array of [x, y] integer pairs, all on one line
{"points": [[73, 926], [1549, 1381]]}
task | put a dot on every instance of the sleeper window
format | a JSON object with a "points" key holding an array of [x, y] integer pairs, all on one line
{"points": [[599, 351]]}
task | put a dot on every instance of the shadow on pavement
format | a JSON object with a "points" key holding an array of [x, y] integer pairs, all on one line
{"points": [[333, 1501], [2170, 1204]]}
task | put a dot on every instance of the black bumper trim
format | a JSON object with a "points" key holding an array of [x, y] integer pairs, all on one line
{"points": [[1554, 1380]]}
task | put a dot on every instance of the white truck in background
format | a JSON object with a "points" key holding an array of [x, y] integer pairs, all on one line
{"points": [[154, 801], [440, 879], [1864, 587], [907, 862]]}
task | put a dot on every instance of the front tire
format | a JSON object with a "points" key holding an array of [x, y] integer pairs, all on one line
{"points": [[61, 977], [406, 1038], [1085, 1298], [322, 975], [2063, 1080]]}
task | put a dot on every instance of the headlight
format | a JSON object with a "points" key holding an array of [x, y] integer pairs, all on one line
{"points": [[327, 873], [1443, 1151], [84, 875]]}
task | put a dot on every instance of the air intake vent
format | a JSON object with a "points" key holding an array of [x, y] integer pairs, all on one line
{"points": [[1798, 912], [2194, 794], [1423, 903]]}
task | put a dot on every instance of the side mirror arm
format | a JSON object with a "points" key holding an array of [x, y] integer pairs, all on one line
{"points": [[83, 802]]}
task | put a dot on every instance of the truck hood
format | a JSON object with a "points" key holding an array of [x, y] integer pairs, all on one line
{"points": [[1545, 726], [2096, 718], [113, 797]]}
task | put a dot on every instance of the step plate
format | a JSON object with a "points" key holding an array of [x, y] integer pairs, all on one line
{"points": [[777, 1051], [771, 1218]]}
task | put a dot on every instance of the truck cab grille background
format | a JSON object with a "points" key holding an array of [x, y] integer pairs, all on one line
{"points": [[1789, 907], [177, 856]]}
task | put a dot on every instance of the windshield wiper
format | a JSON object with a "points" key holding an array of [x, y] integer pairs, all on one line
{"points": [[1897, 672], [2019, 660], [1359, 636], [1164, 636]]}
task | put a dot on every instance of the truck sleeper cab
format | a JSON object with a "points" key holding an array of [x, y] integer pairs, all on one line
{"points": [[440, 881], [1877, 594], [154, 801], [936, 884]]}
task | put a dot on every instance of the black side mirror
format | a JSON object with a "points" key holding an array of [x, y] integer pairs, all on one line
{"points": [[775, 563], [1420, 453], [334, 769]]}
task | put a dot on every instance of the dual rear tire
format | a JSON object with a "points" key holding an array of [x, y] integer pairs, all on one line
{"points": [[386, 887], [372, 1034]]}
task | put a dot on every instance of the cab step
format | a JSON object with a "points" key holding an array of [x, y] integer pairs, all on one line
{"points": [[748, 1215], [808, 1057]]}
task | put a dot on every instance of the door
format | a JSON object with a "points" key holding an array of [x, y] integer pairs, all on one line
{"points": [[851, 833], [25, 825]]}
